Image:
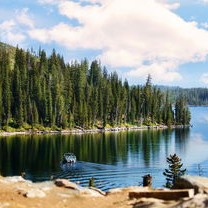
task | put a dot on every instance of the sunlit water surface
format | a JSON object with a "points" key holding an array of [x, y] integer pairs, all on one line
{"points": [[113, 159]]}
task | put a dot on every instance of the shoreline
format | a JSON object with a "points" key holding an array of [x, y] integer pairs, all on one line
{"points": [[17, 192], [87, 131]]}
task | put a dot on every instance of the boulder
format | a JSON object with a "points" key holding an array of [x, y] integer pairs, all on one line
{"points": [[88, 192], [14, 179], [33, 193], [44, 186], [198, 201], [199, 184], [66, 184], [98, 190]]}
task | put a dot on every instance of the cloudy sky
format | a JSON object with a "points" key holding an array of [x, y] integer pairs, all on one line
{"points": [[165, 38]]}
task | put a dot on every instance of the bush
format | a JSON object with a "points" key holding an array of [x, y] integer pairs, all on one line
{"points": [[12, 123], [26, 126], [9, 129], [55, 128], [38, 127], [108, 126]]}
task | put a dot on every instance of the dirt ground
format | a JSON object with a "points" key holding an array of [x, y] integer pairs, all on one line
{"points": [[14, 195], [11, 196], [15, 192]]}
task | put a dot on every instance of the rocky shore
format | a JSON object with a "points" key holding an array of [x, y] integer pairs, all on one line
{"points": [[84, 131], [17, 192]]}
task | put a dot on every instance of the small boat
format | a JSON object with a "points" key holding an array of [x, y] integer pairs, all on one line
{"points": [[69, 158]]}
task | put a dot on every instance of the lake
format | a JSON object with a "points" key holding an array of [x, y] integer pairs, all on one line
{"points": [[114, 159]]}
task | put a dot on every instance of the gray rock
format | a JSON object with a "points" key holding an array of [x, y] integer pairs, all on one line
{"points": [[14, 179], [98, 190], [35, 193], [199, 201], [66, 184], [88, 192], [199, 184]]}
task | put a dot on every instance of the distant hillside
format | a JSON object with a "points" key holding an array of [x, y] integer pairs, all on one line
{"points": [[194, 96], [10, 50]]}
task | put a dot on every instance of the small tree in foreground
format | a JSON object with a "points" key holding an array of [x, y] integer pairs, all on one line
{"points": [[174, 170], [92, 182]]}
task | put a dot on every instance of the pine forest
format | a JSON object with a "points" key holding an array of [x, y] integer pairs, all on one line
{"points": [[40, 91]]}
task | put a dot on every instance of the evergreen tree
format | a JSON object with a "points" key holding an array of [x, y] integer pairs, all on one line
{"points": [[1, 110], [35, 116], [174, 170], [182, 113], [6, 92], [37, 89], [17, 98]]}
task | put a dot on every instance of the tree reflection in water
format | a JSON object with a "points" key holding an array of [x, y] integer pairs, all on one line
{"points": [[41, 154]]}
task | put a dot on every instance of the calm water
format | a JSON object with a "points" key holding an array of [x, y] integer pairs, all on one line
{"points": [[113, 159]]}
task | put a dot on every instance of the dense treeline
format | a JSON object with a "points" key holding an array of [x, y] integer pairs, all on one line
{"points": [[36, 90], [194, 96]]}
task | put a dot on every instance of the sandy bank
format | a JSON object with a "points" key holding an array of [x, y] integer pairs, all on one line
{"points": [[16, 192]]}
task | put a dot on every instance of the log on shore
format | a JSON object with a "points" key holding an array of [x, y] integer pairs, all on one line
{"points": [[163, 194]]}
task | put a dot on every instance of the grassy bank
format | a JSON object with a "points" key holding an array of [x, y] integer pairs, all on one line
{"points": [[78, 130]]}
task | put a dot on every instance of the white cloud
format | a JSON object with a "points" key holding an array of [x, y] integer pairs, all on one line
{"points": [[204, 1], [15, 38], [24, 18], [171, 6], [7, 25], [204, 25], [130, 33], [49, 1], [204, 78], [13, 31], [163, 71], [174, 6], [8, 33]]}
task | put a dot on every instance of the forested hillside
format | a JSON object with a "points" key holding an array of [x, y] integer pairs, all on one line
{"points": [[40, 91], [194, 96]]}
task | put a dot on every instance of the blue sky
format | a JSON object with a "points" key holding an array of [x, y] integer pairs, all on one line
{"points": [[167, 39]]}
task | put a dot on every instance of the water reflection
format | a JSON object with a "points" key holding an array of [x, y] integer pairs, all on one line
{"points": [[140, 151], [181, 139], [109, 157]]}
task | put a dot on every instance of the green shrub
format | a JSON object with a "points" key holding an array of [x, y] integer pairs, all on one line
{"points": [[55, 128], [107, 126], [12, 123], [26, 126], [38, 127], [9, 129]]}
